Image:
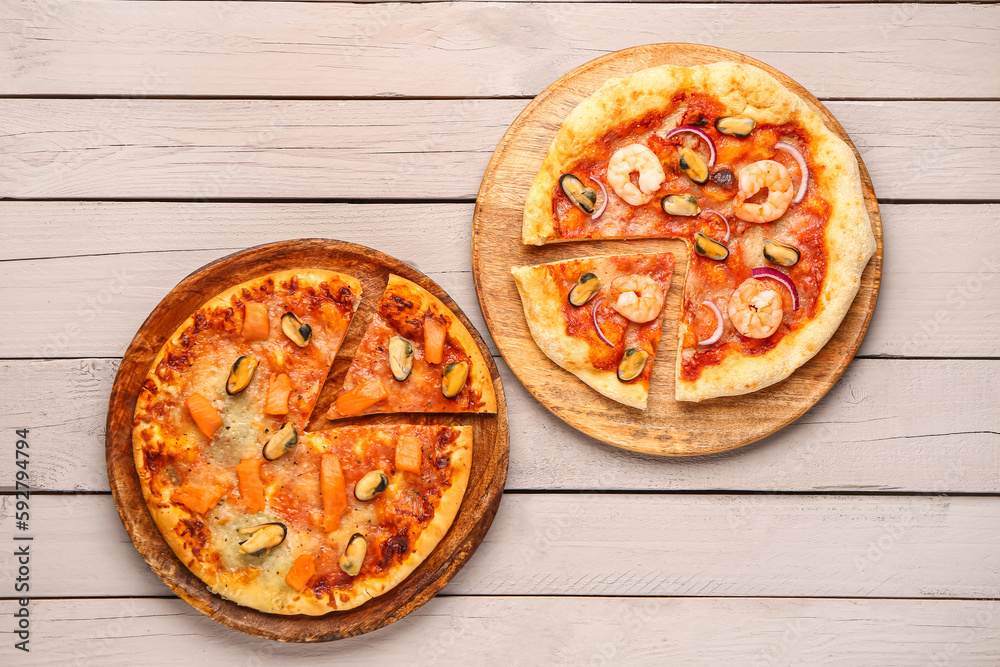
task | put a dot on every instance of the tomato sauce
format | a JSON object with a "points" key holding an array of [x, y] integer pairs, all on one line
{"points": [[803, 226]]}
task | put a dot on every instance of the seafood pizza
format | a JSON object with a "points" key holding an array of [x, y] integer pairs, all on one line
{"points": [[268, 515], [599, 318], [768, 200]]}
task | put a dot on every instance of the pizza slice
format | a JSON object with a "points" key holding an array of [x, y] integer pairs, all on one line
{"points": [[338, 518], [599, 318], [351, 512], [416, 356]]}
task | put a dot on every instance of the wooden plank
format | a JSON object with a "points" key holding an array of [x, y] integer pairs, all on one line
{"points": [[418, 149], [937, 297], [474, 49], [889, 425], [447, 630], [621, 544]]}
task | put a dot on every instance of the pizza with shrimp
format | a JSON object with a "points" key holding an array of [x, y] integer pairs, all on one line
{"points": [[266, 514], [768, 200], [416, 356], [599, 318]]}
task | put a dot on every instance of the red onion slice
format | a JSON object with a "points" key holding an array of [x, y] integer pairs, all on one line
{"points": [[600, 334], [714, 338], [768, 272], [803, 169], [698, 133], [599, 212], [724, 221]]}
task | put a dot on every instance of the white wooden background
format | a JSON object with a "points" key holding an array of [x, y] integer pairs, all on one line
{"points": [[140, 140]]}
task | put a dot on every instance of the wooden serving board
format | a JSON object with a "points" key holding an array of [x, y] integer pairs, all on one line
{"points": [[489, 460], [666, 427]]}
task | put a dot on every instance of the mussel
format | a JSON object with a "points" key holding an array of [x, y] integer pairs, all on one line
{"points": [[454, 377], [371, 485], [400, 357], [584, 289], [706, 246], [685, 204], [781, 253], [583, 198], [263, 538], [283, 439], [240, 375], [354, 554], [632, 364], [736, 126], [693, 166], [297, 331]]}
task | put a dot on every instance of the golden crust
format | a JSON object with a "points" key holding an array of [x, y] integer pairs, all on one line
{"points": [[742, 90]]}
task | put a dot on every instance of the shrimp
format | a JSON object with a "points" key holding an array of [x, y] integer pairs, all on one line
{"points": [[755, 310], [763, 174], [636, 297], [635, 157]]}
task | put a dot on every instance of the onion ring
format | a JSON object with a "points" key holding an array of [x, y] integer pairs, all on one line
{"points": [[724, 221], [768, 272], [804, 183], [701, 134], [593, 315], [599, 212], [714, 338]]}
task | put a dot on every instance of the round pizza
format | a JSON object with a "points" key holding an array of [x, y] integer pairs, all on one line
{"points": [[768, 200], [268, 515]]}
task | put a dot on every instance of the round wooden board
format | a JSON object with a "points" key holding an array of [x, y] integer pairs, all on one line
{"points": [[667, 427], [489, 460]]}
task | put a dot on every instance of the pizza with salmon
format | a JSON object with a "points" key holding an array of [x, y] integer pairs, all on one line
{"points": [[599, 318], [768, 200], [266, 514], [416, 356]]}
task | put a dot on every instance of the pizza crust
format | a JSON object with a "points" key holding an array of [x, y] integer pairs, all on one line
{"points": [[743, 90]]}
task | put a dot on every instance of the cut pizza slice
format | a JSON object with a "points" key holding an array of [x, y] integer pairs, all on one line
{"points": [[357, 509], [416, 356], [599, 318]]}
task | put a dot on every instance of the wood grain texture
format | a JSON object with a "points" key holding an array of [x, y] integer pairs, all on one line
{"points": [[775, 545], [938, 299], [897, 425], [666, 427], [476, 49], [489, 457], [754, 632], [394, 149]]}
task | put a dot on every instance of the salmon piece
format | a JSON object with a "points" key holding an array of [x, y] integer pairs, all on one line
{"points": [[357, 400], [333, 490], [301, 572], [251, 486], [204, 415], [409, 451], [255, 323]]}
